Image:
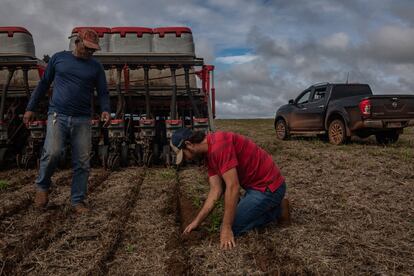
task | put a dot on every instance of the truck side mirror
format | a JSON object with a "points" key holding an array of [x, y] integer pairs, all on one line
{"points": [[291, 101]]}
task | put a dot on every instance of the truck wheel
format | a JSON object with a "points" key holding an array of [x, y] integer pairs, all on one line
{"points": [[386, 138], [282, 132], [337, 132]]}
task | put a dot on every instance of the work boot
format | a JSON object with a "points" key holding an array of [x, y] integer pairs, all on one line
{"points": [[41, 199], [80, 209], [285, 216]]}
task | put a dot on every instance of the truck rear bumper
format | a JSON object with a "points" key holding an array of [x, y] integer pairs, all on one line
{"points": [[391, 123]]}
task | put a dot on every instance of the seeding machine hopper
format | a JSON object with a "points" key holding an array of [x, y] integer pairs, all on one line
{"points": [[153, 86]]}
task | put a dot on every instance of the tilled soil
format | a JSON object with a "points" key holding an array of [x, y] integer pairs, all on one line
{"points": [[15, 179], [151, 244], [352, 214], [28, 228], [85, 242]]}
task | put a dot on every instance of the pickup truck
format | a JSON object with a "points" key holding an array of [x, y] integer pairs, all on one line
{"points": [[337, 111]]}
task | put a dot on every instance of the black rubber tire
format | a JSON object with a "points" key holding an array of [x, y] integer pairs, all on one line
{"points": [[124, 155], [282, 131], [337, 132], [386, 138]]}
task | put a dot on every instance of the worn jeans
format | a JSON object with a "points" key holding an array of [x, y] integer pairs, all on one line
{"points": [[60, 129], [256, 209]]}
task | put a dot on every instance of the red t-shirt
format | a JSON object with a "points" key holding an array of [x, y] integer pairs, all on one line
{"points": [[255, 167]]}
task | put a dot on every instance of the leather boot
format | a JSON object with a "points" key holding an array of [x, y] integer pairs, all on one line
{"points": [[285, 216], [41, 199], [81, 209]]}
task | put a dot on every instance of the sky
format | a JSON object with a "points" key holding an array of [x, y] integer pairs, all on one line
{"points": [[265, 52]]}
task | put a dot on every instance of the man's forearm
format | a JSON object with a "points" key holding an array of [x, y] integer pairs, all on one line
{"points": [[37, 94], [208, 206], [231, 197]]}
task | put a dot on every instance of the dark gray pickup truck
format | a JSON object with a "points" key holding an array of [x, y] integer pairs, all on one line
{"points": [[338, 111]]}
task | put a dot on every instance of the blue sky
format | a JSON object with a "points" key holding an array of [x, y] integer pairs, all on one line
{"points": [[265, 52]]}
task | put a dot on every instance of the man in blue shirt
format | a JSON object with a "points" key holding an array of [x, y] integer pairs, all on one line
{"points": [[75, 75]]}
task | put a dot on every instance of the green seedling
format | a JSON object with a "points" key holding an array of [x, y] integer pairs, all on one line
{"points": [[3, 184], [130, 248], [167, 174], [215, 217], [197, 202]]}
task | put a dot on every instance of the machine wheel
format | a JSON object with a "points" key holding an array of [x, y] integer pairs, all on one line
{"points": [[386, 138], [337, 132], [124, 155], [113, 161], [2, 156], [28, 161], [282, 132], [103, 155], [19, 161], [138, 155]]}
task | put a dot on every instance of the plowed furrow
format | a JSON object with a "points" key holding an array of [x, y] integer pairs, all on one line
{"points": [[36, 229], [82, 242], [15, 202], [15, 180], [151, 244]]}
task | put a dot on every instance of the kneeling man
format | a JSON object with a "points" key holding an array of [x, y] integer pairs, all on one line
{"points": [[233, 161]]}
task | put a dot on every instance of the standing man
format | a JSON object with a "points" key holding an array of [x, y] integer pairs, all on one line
{"points": [[75, 76], [237, 161]]}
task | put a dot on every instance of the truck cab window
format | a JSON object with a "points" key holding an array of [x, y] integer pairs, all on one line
{"points": [[304, 98], [319, 94]]}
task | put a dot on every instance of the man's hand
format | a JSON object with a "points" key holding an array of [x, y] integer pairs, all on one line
{"points": [[28, 117], [106, 118], [227, 239], [193, 225]]}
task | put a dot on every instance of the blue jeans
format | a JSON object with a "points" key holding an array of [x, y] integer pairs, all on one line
{"points": [[256, 209], [60, 129]]}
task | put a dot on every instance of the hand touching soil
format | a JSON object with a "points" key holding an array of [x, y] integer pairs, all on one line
{"points": [[227, 239]]}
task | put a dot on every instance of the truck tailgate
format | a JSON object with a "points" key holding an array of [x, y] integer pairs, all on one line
{"points": [[392, 106]]}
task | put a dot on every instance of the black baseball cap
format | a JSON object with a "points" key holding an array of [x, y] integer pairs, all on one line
{"points": [[177, 142]]}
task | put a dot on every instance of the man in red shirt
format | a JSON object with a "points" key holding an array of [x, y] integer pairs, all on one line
{"points": [[237, 161]]}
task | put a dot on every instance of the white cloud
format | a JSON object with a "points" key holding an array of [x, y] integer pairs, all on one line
{"points": [[293, 43], [337, 40], [236, 59]]}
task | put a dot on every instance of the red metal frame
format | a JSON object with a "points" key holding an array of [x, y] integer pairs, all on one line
{"points": [[126, 77], [174, 122], [41, 70], [177, 30], [201, 120], [38, 123], [13, 29], [117, 121], [204, 75], [125, 30], [147, 121]]}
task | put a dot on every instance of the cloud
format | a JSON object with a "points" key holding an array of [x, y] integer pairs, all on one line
{"points": [[291, 44], [337, 40], [236, 59]]}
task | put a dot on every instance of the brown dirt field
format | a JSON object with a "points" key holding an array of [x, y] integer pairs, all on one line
{"points": [[84, 242], [352, 205], [15, 179], [151, 244], [20, 199], [28, 228], [352, 210]]}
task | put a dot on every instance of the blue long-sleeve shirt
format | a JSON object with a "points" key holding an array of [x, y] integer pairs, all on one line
{"points": [[74, 80]]}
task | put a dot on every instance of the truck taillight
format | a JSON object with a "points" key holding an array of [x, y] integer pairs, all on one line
{"points": [[365, 107]]}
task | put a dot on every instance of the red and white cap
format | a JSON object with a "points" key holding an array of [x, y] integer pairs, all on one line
{"points": [[90, 38]]}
